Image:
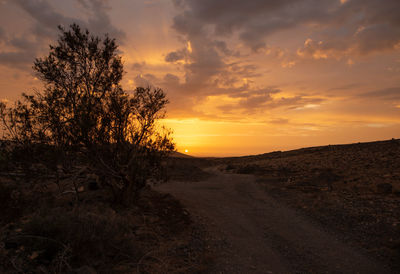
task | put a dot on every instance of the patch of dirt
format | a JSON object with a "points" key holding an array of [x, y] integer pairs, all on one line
{"points": [[254, 233]]}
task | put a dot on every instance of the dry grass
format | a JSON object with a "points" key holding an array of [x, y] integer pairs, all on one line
{"points": [[45, 230]]}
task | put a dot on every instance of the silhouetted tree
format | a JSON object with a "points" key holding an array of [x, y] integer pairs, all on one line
{"points": [[83, 109]]}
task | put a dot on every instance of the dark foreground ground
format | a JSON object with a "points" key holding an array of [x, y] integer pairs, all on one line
{"points": [[255, 233], [45, 229], [353, 191], [332, 209]]}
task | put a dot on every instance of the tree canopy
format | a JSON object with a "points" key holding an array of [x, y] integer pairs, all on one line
{"points": [[83, 108]]}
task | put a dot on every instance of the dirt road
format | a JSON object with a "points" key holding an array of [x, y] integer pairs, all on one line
{"points": [[262, 235]]}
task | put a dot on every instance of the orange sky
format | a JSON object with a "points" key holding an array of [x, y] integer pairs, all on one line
{"points": [[243, 77]]}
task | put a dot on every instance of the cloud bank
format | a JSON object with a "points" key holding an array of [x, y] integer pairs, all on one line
{"points": [[20, 50], [212, 66]]}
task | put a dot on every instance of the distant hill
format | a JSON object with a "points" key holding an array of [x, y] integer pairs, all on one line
{"points": [[177, 154], [377, 145]]}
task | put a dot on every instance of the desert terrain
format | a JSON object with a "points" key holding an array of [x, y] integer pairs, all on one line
{"points": [[331, 209]]}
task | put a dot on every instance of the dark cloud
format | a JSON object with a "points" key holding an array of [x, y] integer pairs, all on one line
{"points": [[46, 19], [100, 22], [175, 56], [335, 29], [364, 41], [20, 52], [253, 102], [171, 79], [206, 63], [16, 60], [222, 47], [253, 20], [279, 121], [206, 57], [227, 108], [377, 37], [245, 92], [22, 44], [138, 66], [345, 87], [358, 27], [248, 100], [392, 94], [2, 34], [245, 70], [361, 26]]}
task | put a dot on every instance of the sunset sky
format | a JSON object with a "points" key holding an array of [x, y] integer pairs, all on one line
{"points": [[242, 77]]}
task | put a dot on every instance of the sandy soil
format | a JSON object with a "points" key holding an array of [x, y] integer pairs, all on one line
{"points": [[263, 235]]}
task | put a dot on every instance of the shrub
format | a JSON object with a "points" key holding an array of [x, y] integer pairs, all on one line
{"points": [[249, 169], [83, 112], [64, 241]]}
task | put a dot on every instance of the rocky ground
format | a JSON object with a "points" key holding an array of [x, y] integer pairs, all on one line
{"points": [[255, 233], [352, 190]]}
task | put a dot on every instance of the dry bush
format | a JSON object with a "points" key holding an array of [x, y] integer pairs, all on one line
{"points": [[152, 237], [230, 167], [11, 206], [249, 169], [84, 110], [59, 241]]}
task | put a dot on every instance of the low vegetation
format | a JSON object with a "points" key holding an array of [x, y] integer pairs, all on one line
{"points": [[45, 231]]}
